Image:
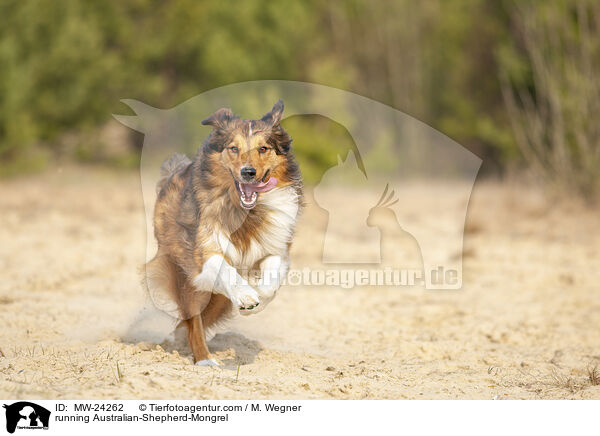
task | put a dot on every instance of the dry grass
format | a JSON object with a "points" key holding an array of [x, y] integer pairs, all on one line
{"points": [[594, 375], [566, 382], [574, 384], [70, 285]]}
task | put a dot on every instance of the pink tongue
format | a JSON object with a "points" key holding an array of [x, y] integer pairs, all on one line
{"points": [[266, 186], [261, 187]]}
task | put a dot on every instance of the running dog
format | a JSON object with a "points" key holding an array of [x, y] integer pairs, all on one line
{"points": [[223, 218]]}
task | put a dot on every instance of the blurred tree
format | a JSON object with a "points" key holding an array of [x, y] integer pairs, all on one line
{"points": [[552, 91], [66, 64]]}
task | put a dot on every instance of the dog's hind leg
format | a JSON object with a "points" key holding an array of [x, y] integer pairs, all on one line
{"points": [[216, 315], [193, 304], [197, 339], [218, 308], [172, 293], [163, 281]]}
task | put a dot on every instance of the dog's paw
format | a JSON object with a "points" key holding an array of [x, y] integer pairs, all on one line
{"points": [[245, 297], [207, 362], [266, 290], [265, 299], [252, 310]]}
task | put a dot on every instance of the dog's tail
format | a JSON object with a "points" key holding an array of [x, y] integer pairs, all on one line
{"points": [[172, 165]]}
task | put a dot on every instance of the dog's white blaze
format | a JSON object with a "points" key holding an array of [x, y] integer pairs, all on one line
{"points": [[283, 211], [274, 236], [270, 247]]}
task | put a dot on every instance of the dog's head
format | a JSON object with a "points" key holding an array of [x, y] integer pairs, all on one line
{"points": [[254, 152]]}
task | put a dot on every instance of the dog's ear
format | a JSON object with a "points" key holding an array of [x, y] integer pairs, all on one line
{"points": [[274, 116], [219, 119], [279, 138]]}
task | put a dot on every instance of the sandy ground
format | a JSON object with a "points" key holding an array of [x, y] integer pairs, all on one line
{"points": [[525, 324]]}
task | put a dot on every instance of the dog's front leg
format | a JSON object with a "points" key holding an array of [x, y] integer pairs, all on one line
{"points": [[221, 278], [273, 270]]}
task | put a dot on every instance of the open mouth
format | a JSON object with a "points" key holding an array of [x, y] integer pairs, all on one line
{"points": [[249, 191]]}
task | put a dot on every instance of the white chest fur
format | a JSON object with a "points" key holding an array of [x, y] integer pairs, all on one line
{"points": [[274, 235]]}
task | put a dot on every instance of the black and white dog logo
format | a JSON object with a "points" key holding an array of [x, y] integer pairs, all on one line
{"points": [[26, 415]]}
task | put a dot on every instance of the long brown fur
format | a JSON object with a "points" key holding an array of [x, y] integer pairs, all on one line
{"points": [[197, 197]]}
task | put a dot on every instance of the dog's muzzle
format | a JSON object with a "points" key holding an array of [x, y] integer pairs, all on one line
{"points": [[249, 191]]}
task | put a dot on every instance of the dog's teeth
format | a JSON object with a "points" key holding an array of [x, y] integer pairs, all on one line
{"points": [[250, 199]]}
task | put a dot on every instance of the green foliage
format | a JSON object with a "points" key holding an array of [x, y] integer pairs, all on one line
{"points": [[317, 144], [554, 98], [67, 63]]}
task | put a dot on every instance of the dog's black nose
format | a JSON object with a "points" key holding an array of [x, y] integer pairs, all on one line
{"points": [[248, 172]]}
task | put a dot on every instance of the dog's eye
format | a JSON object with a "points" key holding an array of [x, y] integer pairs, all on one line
{"points": [[234, 149], [262, 149]]}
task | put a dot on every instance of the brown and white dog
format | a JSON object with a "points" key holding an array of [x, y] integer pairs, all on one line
{"points": [[218, 219]]}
